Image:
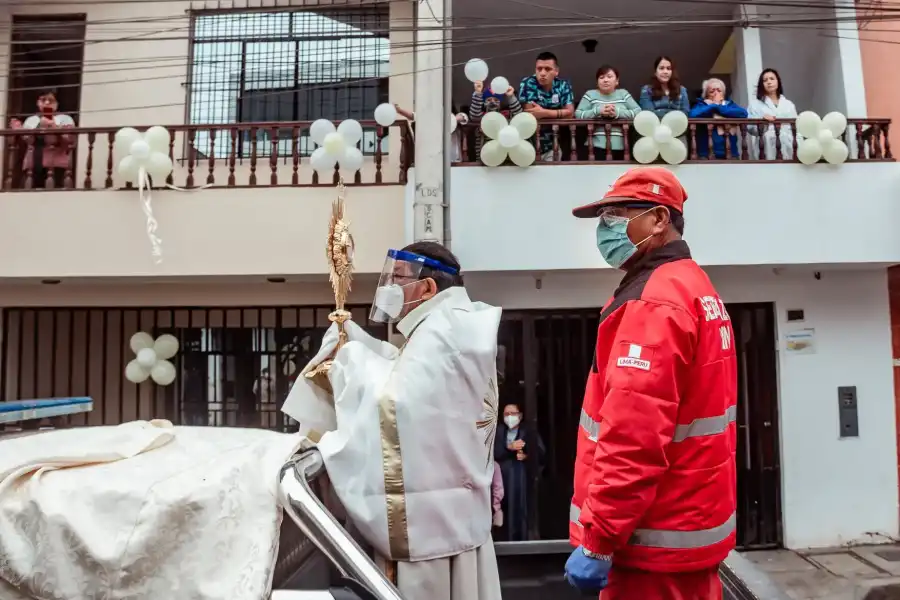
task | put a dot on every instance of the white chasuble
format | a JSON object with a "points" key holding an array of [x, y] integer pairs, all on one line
{"points": [[410, 451]]}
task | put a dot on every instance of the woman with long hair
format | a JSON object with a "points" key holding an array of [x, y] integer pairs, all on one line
{"points": [[770, 104], [664, 93]]}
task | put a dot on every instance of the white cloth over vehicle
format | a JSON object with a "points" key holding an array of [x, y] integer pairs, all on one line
{"points": [[408, 445], [140, 510]]}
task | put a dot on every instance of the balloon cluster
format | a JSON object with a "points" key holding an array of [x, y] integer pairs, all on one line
{"points": [[152, 358], [821, 138], [660, 138], [337, 145], [508, 139], [146, 152]]}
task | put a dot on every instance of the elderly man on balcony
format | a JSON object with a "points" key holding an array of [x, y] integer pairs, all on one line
{"points": [[714, 105]]}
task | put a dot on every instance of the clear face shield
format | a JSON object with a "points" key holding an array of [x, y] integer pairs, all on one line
{"points": [[397, 291]]}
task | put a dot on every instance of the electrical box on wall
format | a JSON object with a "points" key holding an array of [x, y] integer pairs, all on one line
{"points": [[848, 416]]}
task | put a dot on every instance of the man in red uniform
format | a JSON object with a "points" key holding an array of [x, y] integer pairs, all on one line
{"points": [[653, 513]]}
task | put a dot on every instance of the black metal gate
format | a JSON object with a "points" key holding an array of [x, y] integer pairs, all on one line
{"points": [[235, 365], [546, 358]]}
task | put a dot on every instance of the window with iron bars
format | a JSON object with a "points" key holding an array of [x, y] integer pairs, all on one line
{"points": [[299, 65]]}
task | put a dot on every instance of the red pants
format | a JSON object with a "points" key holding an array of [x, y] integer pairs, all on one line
{"points": [[631, 584]]}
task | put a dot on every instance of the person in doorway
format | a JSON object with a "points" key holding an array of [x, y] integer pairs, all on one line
{"points": [[546, 96], [417, 489], [653, 513], [48, 154], [770, 104], [519, 451]]}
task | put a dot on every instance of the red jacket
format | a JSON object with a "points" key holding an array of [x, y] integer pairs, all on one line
{"points": [[655, 474]]}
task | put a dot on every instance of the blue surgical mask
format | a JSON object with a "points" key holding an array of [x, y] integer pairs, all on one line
{"points": [[613, 242]]}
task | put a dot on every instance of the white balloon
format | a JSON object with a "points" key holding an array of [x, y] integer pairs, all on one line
{"points": [[322, 162], [139, 341], [499, 85], [334, 144], [677, 121], [646, 123], [453, 123], [128, 169], [158, 139], [825, 137], [492, 123], [509, 137], [351, 131], [493, 154], [385, 114], [809, 151], [319, 129], [476, 70], [158, 166], [140, 150], [808, 124], [835, 122], [147, 358], [525, 123], [124, 138], [662, 135], [673, 152], [523, 154], [352, 160], [165, 346], [645, 150], [163, 372], [135, 373], [836, 152]]}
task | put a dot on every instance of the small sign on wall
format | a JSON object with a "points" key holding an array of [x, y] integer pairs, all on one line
{"points": [[801, 341]]}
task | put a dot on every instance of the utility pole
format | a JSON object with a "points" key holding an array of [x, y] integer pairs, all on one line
{"points": [[432, 121]]}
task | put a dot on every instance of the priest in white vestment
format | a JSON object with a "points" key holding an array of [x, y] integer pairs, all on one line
{"points": [[407, 436]]}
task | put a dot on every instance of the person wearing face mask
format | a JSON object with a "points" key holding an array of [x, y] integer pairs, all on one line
{"points": [[653, 512], [407, 434], [519, 451]]}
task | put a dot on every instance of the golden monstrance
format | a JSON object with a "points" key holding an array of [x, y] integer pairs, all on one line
{"points": [[339, 252]]}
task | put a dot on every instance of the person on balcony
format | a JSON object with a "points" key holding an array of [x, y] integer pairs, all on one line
{"points": [[714, 105], [607, 102], [546, 96], [47, 155], [770, 104], [653, 510], [664, 93], [485, 101], [407, 435]]}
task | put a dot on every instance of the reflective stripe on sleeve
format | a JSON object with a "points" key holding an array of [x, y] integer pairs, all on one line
{"points": [[672, 539], [705, 426], [591, 427]]}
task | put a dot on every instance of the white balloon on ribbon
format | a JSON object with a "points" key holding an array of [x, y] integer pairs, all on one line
{"points": [[660, 138], [322, 162], [142, 157], [492, 123], [499, 85], [476, 70], [645, 150], [525, 123], [493, 154], [352, 160], [319, 129], [152, 358], [385, 114], [509, 137], [523, 154], [506, 140], [351, 131], [337, 146]]}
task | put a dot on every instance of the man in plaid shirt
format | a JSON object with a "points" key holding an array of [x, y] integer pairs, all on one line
{"points": [[546, 96]]}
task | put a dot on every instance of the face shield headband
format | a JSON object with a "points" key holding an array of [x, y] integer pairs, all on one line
{"points": [[401, 271]]}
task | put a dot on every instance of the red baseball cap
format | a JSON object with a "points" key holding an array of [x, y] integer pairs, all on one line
{"points": [[653, 185]]}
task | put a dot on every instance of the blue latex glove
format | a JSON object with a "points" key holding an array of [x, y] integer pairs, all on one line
{"points": [[585, 573]]}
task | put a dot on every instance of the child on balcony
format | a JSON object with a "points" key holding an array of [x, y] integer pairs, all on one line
{"points": [[47, 156], [485, 101]]}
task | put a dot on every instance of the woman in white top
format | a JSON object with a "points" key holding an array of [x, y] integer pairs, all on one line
{"points": [[770, 104]]}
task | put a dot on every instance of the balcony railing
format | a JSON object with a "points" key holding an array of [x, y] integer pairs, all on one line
{"points": [[227, 155], [867, 140]]}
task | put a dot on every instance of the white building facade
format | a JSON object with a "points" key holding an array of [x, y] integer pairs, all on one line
{"points": [[801, 254]]}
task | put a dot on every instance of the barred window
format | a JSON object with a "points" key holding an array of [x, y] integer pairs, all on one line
{"points": [[300, 65]]}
